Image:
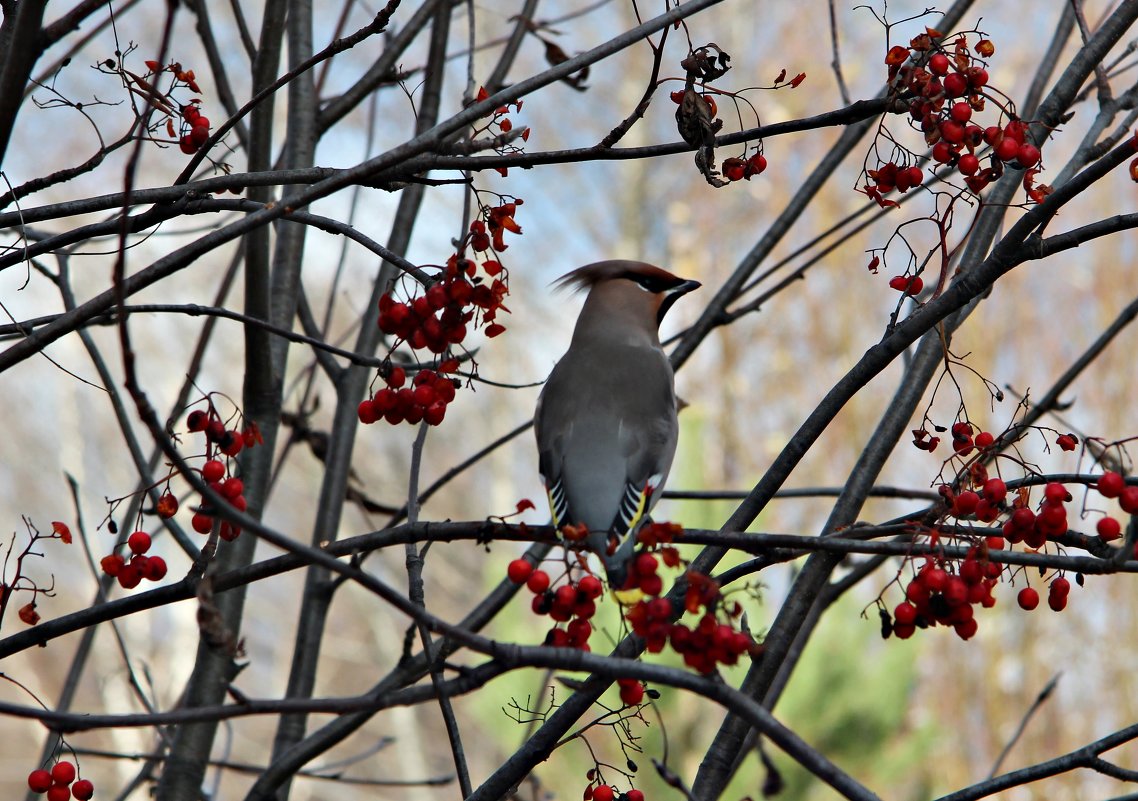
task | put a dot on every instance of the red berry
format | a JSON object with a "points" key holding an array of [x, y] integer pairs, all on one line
{"points": [[995, 490], [63, 772], [591, 586], [966, 629], [197, 420], [1128, 500], [646, 564], [934, 578], [952, 132], [155, 568], [984, 440], [961, 112], [965, 503], [1007, 149], [1108, 529], [1059, 586], [213, 470], [424, 395], [130, 576], [138, 542], [968, 164], [938, 64], [187, 146], [651, 584], [112, 564], [977, 77], [905, 614], [756, 165], [602, 792], [734, 168], [519, 570], [634, 795], [1028, 598], [199, 134], [1057, 602], [538, 581], [366, 412], [956, 591], [83, 789], [1056, 492], [942, 152], [39, 781], [201, 523], [955, 85], [1067, 442], [632, 694], [1111, 484], [58, 792]]}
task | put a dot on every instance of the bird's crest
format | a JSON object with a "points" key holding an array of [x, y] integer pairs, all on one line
{"points": [[592, 274]]}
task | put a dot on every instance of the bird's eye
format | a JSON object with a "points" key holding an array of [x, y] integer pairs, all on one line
{"points": [[649, 283]]}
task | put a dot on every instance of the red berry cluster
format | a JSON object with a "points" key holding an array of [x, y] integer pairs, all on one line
{"points": [[605, 792], [491, 231], [1035, 528], [573, 603], [57, 783], [437, 321], [1112, 485], [944, 95], [737, 169], [215, 472], [642, 573], [890, 176], [703, 646], [130, 574], [937, 596], [426, 399], [504, 125], [195, 129]]}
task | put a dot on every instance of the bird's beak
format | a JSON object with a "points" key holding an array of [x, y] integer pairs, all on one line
{"points": [[672, 295]]}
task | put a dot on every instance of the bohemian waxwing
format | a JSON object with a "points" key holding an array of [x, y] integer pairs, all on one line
{"points": [[606, 418]]}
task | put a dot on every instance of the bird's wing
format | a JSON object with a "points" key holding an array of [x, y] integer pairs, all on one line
{"points": [[605, 446]]}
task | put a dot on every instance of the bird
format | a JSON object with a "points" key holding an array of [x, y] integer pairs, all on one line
{"points": [[605, 423]]}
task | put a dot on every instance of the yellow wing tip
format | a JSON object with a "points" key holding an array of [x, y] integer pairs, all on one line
{"points": [[628, 597]]}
